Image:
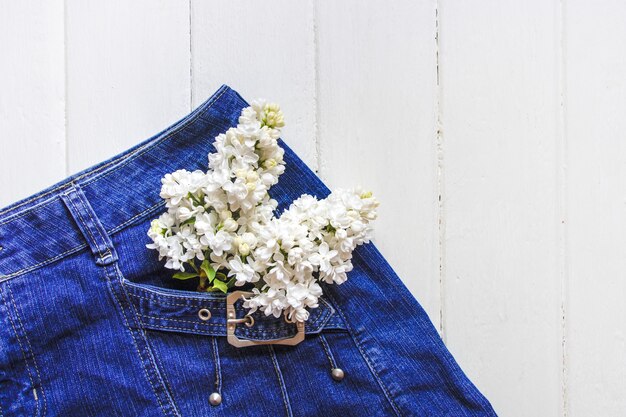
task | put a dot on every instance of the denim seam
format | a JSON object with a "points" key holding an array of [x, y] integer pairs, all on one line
{"points": [[326, 347], [125, 158], [42, 263], [132, 219], [210, 332], [218, 368], [366, 358], [158, 326], [36, 206], [32, 354], [142, 333], [156, 300], [163, 373], [17, 336], [202, 323], [132, 335], [74, 249], [281, 381], [370, 254]]}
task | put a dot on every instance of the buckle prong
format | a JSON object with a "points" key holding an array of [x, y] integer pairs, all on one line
{"points": [[232, 321]]}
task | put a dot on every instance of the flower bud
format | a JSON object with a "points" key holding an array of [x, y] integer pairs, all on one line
{"points": [[270, 163], [230, 225], [252, 176], [244, 249]]}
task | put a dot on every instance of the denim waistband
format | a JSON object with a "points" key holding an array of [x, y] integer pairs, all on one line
{"points": [[25, 245]]}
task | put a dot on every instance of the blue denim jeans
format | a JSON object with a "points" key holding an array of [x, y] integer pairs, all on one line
{"points": [[92, 324]]}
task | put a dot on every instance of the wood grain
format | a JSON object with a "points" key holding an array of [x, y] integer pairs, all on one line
{"points": [[32, 102], [127, 74], [595, 91], [501, 138], [377, 126], [263, 50]]}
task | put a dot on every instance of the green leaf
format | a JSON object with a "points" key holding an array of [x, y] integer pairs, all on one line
{"points": [[220, 285], [184, 275], [208, 270]]}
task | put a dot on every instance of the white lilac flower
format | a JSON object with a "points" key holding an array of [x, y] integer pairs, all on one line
{"points": [[243, 272], [226, 217], [323, 257]]}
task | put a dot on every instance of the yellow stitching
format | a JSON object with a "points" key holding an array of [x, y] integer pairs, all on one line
{"points": [[47, 261], [204, 323], [17, 336], [283, 388], [96, 223], [366, 358], [129, 221], [118, 274], [154, 299], [216, 363], [326, 347], [85, 225], [134, 341], [30, 347], [167, 383]]}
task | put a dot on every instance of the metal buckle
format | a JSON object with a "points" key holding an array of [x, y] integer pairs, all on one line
{"points": [[232, 321]]}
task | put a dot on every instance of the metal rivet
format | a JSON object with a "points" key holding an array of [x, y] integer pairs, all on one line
{"points": [[204, 314], [337, 374], [215, 398]]}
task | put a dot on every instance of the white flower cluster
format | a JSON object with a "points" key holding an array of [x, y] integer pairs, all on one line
{"points": [[224, 218]]}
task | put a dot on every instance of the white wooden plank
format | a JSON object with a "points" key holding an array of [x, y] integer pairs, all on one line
{"points": [[500, 112], [377, 126], [32, 102], [127, 74], [595, 56], [261, 49]]}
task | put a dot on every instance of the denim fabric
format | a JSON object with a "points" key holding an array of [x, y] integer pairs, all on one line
{"points": [[92, 324]]}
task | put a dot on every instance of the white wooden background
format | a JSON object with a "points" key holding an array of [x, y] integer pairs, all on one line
{"points": [[492, 131]]}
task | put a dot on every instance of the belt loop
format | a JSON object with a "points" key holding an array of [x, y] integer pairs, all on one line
{"points": [[90, 226]]}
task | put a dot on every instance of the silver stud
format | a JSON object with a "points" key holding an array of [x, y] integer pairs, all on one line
{"points": [[215, 398], [337, 374], [204, 314]]}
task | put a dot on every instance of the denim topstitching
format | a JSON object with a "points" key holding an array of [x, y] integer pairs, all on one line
{"points": [[367, 359], [113, 291], [27, 353]]}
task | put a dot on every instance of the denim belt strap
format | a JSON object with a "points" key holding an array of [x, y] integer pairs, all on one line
{"points": [[161, 310]]}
